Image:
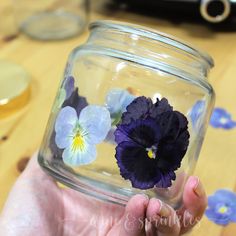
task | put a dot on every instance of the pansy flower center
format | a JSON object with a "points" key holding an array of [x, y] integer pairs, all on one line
{"points": [[151, 152], [223, 209], [78, 141]]}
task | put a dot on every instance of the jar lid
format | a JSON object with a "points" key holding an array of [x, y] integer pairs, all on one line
{"points": [[14, 87]]}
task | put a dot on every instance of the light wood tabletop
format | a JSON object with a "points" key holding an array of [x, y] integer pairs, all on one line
{"points": [[45, 62]]}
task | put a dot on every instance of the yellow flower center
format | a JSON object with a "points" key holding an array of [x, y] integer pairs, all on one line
{"points": [[78, 142], [223, 209], [151, 152]]}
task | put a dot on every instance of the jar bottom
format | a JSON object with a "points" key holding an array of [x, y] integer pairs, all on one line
{"points": [[53, 25], [94, 188]]}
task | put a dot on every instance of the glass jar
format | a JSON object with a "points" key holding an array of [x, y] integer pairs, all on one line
{"points": [[51, 19], [130, 115]]}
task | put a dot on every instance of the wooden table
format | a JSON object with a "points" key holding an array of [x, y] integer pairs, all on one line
{"points": [[45, 62]]}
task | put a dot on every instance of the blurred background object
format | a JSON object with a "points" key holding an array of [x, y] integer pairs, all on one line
{"points": [[15, 92], [213, 11], [51, 19], [14, 88]]}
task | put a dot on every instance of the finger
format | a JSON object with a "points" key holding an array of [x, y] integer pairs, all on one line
{"points": [[163, 218], [194, 204], [133, 221]]}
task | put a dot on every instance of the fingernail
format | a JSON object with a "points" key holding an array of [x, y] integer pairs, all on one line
{"points": [[197, 187], [164, 210], [145, 195]]}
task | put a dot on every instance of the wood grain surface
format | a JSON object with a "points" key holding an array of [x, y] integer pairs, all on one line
{"points": [[45, 62]]}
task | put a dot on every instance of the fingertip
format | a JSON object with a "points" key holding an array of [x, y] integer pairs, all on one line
{"points": [[138, 204], [153, 209], [162, 218], [133, 220], [194, 197]]}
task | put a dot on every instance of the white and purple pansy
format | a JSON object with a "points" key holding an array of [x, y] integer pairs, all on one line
{"points": [[78, 136]]}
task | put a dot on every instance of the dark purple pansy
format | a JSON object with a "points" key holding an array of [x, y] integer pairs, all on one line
{"points": [[222, 207], [73, 100], [152, 141]]}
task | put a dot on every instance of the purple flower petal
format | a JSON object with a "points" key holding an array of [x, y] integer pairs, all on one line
{"points": [[76, 101], [131, 158], [69, 86]]}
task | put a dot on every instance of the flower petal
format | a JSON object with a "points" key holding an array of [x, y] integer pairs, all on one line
{"points": [[166, 179], [217, 218], [233, 216], [64, 136], [118, 99], [79, 157], [222, 119], [76, 101], [69, 85], [139, 108], [143, 132], [136, 166], [67, 115], [225, 195], [96, 121]]}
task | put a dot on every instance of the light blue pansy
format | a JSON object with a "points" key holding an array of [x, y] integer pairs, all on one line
{"points": [[116, 102], [79, 136]]}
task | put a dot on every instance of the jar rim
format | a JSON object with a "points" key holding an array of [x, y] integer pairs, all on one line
{"points": [[154, 35]]}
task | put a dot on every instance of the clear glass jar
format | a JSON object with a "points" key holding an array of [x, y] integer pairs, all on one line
{"points": [[51, 19], [130, 115]]}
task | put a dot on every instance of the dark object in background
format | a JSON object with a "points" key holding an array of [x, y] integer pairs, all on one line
{"points": [[213, 11]]}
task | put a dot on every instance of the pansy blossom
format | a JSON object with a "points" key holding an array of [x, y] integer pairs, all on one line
{"points": [[151, 141], [222, 119], [78, 136], [222, 207], [69, 96]]}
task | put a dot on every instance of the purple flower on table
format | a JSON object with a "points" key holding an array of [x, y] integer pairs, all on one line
{"points": [[222, 119], [152, 141], [78, 136], [222, 207]]}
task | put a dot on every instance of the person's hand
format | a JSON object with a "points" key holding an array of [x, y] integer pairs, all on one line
{"points": [[37, 206]]}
